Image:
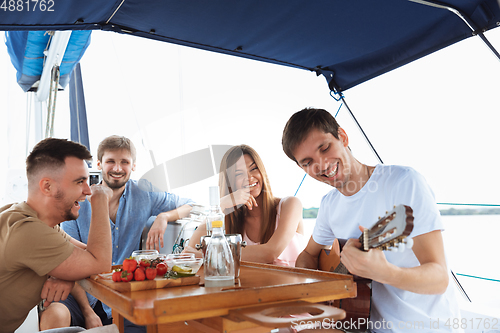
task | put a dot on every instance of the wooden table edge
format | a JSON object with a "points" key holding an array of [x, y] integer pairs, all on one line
{"points": [[125, 308]]}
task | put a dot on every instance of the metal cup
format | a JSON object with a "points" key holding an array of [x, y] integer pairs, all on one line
{"points": [[235, 242]]}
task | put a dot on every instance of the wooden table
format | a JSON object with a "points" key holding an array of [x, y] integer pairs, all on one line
{"points": [[196, 308]]}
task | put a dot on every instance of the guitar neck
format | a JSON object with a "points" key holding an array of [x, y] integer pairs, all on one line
{"points": [[389, 231]]}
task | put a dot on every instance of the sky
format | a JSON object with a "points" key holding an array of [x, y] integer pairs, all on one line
{"points": [[438, 114]]}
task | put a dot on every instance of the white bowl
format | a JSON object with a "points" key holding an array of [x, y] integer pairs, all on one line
{"points": [[193, 263], [180, 256], [175, 256], [145, 254]]}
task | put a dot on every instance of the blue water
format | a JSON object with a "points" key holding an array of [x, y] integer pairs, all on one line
{"points": [[471, 245]]}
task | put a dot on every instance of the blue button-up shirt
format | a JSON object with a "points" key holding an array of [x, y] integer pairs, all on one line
{"points": [[137, 204]]}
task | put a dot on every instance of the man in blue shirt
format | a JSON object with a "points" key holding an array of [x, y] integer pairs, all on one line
{"points": [[132, 204]]}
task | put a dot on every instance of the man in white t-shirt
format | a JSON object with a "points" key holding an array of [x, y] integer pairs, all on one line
{"points": [[410, 290]]}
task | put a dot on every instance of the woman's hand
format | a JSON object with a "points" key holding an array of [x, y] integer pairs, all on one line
{"points": [[237, 199], [189, 249]]}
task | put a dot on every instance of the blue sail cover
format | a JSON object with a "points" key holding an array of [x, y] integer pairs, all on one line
{"points": [[26, 52], [77, 110], [348, 42]]}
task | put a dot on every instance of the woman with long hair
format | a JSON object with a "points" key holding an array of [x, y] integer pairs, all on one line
{"points": [[272, 225]]}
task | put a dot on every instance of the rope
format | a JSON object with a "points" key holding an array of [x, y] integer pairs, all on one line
{"points": [[49, 113], [300, 184], [478, 277], [465, 204], [338, 110], [28, 120], [334, 95], [51, 108]]}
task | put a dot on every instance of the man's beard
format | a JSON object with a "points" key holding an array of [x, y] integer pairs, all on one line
{"points": [[115, 184], [68, 215]]}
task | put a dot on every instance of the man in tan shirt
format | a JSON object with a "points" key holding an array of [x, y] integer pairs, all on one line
{"points": [[38, 260]]}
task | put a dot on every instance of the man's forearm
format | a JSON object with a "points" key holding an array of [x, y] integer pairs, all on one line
{"points": [[305, 260], [176, 214], [81, 298], [99, 241], [428, 279]]}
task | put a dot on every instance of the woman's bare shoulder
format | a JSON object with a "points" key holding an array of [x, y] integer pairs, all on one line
{"points": [[291, 201]]}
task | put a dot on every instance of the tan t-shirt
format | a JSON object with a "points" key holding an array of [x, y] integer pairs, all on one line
{"points": [[29, 249]]}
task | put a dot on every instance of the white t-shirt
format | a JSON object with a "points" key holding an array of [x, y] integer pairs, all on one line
{"points": [[339, 217]]}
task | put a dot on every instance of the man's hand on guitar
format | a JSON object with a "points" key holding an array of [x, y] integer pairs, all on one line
{"points": [[371, 264], [363, 257]]}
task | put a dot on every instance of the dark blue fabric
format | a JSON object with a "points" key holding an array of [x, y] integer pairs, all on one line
{"points": [[77, 318], [78, 111], [347, 41]]}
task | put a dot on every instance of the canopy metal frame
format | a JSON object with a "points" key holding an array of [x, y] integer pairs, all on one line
{"points": [[464, 18], [429, 3]]}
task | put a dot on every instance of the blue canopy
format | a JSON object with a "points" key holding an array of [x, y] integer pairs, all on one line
{"points": [[348, 42], [26, 50]]}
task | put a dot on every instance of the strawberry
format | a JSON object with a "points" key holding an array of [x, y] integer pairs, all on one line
{"points": [[145, 262], [150, 273], [127, 276], [117, 275], [139, 275], [129, 264], [161, 269]]}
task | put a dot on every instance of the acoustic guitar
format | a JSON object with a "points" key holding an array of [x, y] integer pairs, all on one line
{"points": [[388, 233]]}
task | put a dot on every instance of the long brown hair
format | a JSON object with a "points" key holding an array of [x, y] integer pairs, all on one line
{"points": [[235, 219]]}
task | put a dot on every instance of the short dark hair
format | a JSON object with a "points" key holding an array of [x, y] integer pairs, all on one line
{"points": [[301, 123], [52, 152], [116, 142]]}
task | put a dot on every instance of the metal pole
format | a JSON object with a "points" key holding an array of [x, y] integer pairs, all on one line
{"points": [[361, 130], [464, 18]]}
